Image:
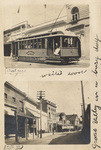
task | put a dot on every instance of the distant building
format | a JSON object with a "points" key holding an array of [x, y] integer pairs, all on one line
{"points": [[74, 121], [10, 35], [60, 121], [49, 108], [21, 114], [67, 122]]}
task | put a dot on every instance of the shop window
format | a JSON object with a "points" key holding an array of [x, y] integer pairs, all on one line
{"points": [[14, 99], [5, 95], [75, 14], [49, 115], [21, 107]]}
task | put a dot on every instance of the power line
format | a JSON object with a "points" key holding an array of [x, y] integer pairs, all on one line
{"points": [[57, 18]]}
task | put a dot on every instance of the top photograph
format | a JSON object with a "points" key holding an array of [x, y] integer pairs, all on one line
{"points": [[46, 36]]}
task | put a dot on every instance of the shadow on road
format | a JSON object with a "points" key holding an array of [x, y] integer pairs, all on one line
{"points": [[72, 138]]}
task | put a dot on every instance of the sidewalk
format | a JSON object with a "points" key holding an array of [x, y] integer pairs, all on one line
{"points": [[46, 138]]}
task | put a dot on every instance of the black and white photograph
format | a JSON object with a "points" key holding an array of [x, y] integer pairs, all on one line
{"points": [[46, 35], [50, 82], [47, 113]]}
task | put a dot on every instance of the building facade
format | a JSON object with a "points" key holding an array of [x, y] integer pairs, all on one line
{"points": [[74, 121], [78, 22], [49, 108], [11, 34], [67, 122], [22, 118]]}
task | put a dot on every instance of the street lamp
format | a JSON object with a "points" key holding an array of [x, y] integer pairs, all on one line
{"points": [[40, 96]]}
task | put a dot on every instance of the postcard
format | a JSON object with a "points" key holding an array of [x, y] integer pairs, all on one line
{"points": [[50, 74]]}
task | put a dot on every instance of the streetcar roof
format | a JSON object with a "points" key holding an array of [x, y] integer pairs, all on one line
{"points": [[40, 37]]}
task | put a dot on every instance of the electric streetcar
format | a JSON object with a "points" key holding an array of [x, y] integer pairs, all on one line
{"points": [[53, 47]]}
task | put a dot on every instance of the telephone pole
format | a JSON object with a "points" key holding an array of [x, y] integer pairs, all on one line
{"points": [[40, 96], [83, 102]]}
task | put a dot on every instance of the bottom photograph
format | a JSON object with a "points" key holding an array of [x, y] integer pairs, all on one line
{"points": [[47, 112]]}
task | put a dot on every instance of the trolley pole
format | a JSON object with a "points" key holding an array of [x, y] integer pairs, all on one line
{"points": [[40, 95]]}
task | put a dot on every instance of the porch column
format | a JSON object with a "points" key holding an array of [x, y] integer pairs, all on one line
{"points": [[16, 135], [33, 129], [26, 129]]}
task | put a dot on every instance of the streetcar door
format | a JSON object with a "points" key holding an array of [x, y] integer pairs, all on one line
{"points": [[50, 46]]}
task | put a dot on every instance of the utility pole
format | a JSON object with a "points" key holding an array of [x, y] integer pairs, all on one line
{"points": [[83, 102], [40, 95]]}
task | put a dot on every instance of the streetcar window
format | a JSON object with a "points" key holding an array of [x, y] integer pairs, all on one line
{"points": [[64, 42], [69, 42], [56, 42], [43, 43], [20, 44], [29, 44], [35, 43], [75, 42], [23, 44], [39, 43]]}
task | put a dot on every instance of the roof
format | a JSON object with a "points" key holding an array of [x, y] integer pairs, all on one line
{"points": [[31, 100], [27, 98], [60, 113], [71, 118], [51, 103], [7, 84]]}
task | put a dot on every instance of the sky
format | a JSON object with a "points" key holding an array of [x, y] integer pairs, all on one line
{"points": [[65, 94], [32, 12]]}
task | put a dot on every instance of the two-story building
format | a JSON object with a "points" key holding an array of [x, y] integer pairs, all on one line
{"points": [[74, 121], [22, 118], [67, 122], [49, 108]]}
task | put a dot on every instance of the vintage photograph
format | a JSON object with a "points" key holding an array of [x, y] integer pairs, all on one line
{"points": [[56, 112], [46, 35]]}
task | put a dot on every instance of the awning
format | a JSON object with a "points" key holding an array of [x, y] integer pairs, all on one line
{"points": [[9, 111], [32, 113], [34, 110]]}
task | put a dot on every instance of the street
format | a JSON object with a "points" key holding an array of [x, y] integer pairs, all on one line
{"points": [[10, 63], [72, 138], [46, 139]]}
